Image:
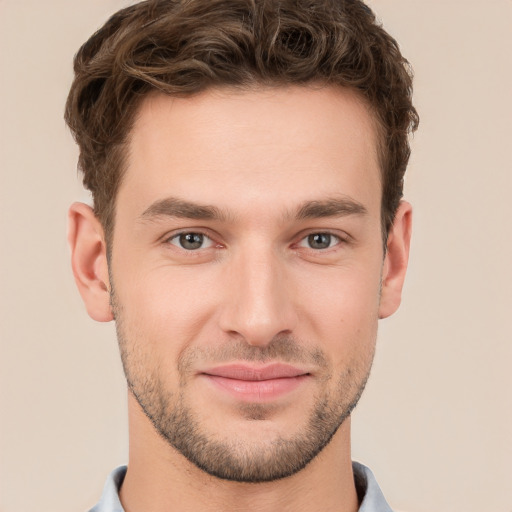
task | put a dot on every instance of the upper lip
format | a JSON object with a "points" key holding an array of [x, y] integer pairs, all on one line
{"points": [[255, 373]]}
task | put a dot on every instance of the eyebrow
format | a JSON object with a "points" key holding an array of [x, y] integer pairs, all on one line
{"points": [[179, 208], [174, 207], [332, 207]]}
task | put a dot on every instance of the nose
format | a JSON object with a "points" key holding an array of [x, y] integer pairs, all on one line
{"points": [[258, 302]]}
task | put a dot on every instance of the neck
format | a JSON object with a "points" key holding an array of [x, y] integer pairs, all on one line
{"points": [[161, 479]]}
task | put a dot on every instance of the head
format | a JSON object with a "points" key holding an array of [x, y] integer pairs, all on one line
{"points": [[246, 162], [182, 48]]}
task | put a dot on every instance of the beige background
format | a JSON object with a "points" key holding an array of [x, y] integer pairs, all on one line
{"points": [[435, 423]]}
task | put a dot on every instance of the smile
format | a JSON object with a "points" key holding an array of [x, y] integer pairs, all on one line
{"points": [[256, 384]]}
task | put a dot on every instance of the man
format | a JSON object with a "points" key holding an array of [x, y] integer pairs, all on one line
{"points": [[246, 162]]}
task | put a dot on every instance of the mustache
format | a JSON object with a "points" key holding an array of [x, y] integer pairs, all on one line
{"points": [[281, 348]]}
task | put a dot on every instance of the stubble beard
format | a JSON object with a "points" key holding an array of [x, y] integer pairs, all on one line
{"points": [[238, 459]]}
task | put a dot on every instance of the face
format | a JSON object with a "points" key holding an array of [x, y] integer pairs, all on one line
{"points": [[246, 272]]}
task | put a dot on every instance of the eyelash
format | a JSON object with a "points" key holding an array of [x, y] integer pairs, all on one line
{"points": [[184, 233], [307, 238]]}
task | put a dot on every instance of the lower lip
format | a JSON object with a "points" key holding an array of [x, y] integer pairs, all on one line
{"points": [[257, 390]]}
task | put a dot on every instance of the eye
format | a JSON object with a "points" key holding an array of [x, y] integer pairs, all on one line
{"points": [[319, 241], [191, 241]]}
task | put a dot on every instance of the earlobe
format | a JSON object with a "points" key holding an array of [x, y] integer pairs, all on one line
{"points": [[395, 262], [89, 261]]}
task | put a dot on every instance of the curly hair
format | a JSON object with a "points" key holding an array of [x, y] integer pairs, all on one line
{"points": [[183, 47]]}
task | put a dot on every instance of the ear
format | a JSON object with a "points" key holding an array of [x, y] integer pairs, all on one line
{"points": [[89, 261], [395, 261]]}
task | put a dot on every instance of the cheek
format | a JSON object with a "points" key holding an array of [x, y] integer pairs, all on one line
{"points": [[341, 311], [167, 305]]}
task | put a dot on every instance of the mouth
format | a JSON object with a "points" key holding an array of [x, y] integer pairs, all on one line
{"points": [[251, 383]]}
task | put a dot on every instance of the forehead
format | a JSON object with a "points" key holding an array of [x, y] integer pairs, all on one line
{"points": [[273, 145]]}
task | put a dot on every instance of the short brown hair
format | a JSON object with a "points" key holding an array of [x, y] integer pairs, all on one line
{"points": [[182, 47]]}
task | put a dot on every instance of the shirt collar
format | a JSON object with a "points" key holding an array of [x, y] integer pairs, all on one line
{"points": [[368, 490]]}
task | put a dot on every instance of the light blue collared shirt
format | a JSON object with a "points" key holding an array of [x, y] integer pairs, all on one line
{"points": [[367, 488]]}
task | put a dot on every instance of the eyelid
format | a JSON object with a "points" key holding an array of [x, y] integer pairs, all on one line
{"points": [[342, 238], [168, 237]]}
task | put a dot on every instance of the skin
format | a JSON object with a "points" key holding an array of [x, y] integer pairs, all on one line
{"points": [[257, 159]]}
